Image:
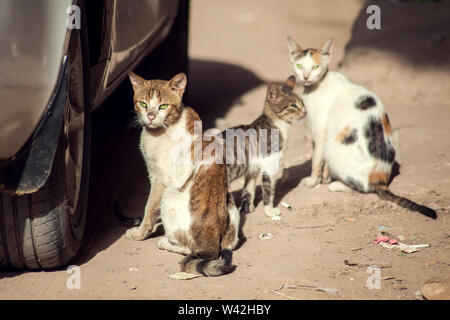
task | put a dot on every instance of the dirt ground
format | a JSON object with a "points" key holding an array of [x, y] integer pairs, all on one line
{"points": [[236, 47]]}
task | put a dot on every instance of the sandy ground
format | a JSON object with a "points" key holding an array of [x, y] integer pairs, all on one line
{"points": [[236, 47]]}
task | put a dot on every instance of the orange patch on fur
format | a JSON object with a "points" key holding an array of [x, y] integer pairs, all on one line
{"points": [[316, 57], [191, 117], [386, 124], [208, 207], [343, 134], [378, 178]]}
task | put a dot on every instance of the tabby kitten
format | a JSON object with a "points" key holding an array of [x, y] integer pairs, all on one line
{"points": [[351, 131], [281, 108], [198, 214]]}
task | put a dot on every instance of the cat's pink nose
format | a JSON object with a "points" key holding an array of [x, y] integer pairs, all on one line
{"points": [[306, 77], [151, 116]]}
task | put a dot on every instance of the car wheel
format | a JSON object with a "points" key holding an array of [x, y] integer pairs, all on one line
{"points": [[44, 229]]}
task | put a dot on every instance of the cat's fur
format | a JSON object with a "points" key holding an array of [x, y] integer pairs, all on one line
{"points": [[282, 107], [351, 131], [198, 214]]}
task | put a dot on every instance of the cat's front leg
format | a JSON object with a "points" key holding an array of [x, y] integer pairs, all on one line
{"points": [[317, 165], [150, 215], [326, 174], [268, 187]]}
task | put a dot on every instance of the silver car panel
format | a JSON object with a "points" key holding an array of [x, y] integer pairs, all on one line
{"points": [[32, 38]]}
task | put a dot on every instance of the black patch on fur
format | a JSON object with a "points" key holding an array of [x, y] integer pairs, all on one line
{"points": [[377, 145], [351, 137], [365, 102], [354, 184], [227, 255]]}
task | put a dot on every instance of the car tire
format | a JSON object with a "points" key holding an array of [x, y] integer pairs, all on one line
{"points": [[44, 229]]}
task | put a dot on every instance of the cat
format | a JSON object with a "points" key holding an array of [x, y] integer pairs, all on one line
{"points": [[198, 214], [281, 108], [352, 135]]}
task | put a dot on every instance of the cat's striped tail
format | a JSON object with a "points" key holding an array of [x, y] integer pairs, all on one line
{"points": [[385, 194], [209, 267]]}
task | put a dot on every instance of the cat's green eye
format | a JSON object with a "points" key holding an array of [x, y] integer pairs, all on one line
{"points": [[143, 104], [299, 66], [163, 107], [316, 67], [294, 106]]}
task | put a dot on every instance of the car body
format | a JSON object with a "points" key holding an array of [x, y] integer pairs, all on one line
{"points": [[59, 60]]}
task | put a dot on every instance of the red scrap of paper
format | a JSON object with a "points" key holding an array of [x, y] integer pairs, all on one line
{"points": [[381, 239], [393, 241], [385, 239]]}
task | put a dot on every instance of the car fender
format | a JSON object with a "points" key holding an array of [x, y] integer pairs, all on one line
{"points": [[30, 168]]}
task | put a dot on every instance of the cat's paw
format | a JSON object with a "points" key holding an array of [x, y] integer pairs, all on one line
{"points": [[326, 179], [337, 186], [273, 213], [137, 234], [310, 182]]}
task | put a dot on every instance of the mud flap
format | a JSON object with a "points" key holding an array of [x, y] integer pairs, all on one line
{"points": [[30, 168]]}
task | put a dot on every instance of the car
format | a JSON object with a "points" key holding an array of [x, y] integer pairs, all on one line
{"points": [[59, 60]]}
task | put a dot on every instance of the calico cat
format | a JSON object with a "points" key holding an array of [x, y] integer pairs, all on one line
{"points": [[281, 108], [352, 135], [198, 214]]}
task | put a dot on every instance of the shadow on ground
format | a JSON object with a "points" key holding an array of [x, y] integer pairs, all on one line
{"points": [[418, 33], [214, 87]]}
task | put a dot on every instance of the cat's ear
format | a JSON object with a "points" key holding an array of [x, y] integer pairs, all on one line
{"points": [[273, 93], [294, 48], [178, 84], [327, 50], [289, 84], [136, 81]]}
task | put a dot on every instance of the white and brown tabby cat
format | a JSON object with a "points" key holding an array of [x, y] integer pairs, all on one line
{"points": [[282, 107], [350, 127], [198, 214]]}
